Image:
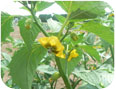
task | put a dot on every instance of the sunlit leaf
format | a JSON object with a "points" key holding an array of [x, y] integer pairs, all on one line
{"points": [[91, 51], [24, 64], [6, 25], [99, 30], [83, 9], [41, 5]]}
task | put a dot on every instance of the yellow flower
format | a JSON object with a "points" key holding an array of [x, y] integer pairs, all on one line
{"points": [[54, 44], [53, 41], [60, 54], [73, 54], [44, 41]]}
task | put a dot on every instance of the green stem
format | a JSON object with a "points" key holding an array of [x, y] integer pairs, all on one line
{"points": [[65, 23], [64, 36], [85, 61], [65, 79], [55, 84], [76, 83], [36, 22], [66, 69], [51, 84]]}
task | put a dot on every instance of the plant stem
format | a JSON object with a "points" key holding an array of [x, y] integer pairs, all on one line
{"points": [[66, 69], [85, 61], [76, 83], [64, 36], [55, 84], [65, 23], [51, 84], [65, 79], [36, 22]]}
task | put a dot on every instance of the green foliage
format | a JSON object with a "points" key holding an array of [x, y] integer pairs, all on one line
{"points": [[83, 9], [41, 5], [23, 65], [90, 39], [60, 18], [105, 44], [6, 25], [91, 51], [55, 76], [99, 29], [69, 40], [87, 86], [28, 34], [46, 69], [99, 78], [82, 14]]}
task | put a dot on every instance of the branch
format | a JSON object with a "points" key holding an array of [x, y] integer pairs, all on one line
{"points": [[65, 79]]}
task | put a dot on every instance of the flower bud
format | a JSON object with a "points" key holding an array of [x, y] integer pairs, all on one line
{"points": [[74, 37], [55, 76]]}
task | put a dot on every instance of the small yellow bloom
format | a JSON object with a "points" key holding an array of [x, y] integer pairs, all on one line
{"points": [[60, 54], [53, 43], [44, 41], [73, 54]]}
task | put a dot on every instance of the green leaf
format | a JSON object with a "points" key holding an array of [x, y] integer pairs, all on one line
{"points": [[54, 25], [46, 69], [28, 34], [90, 39], [105, 44], [99, 30], [24, 8], [87, 86], [91, 51], [82, 14], [71, 64], [2, 73], [70, 41], [83, 9], [60, 18], [6, 25], [41, 5], [98, 78], [24, 64]]}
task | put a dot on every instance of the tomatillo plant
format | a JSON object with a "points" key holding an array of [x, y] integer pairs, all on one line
{"points": [[76, 48]]}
